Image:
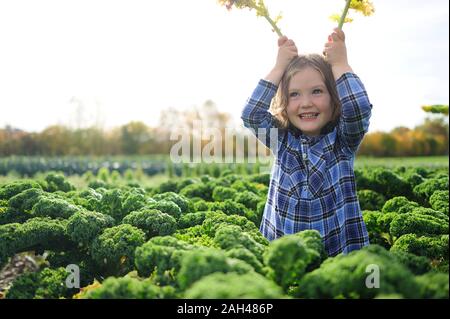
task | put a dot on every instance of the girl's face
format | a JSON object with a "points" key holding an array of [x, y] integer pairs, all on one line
{"points": [[309, 103]]}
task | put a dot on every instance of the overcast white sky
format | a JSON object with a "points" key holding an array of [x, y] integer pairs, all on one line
{"points": [[129, 59]]}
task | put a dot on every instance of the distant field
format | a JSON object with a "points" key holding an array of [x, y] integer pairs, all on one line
{"points": [[151, 170], [423, 161]]}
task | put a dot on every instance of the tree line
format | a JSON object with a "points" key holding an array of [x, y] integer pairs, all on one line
{"points": [[136, 138]]}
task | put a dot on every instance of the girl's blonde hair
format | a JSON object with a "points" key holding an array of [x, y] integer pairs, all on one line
{"points": [[281, 100]]}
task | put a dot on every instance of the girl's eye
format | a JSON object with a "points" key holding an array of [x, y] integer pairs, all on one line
{"points": [[317, 91], [293, 94]]}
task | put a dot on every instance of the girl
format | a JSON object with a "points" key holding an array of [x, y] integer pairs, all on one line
{"points": [[320, 112]]}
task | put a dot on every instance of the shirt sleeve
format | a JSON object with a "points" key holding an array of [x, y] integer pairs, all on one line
{"points": [[356, 110], [258, 119]]}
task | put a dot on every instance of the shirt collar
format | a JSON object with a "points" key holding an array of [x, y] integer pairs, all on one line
{"points": [[311, 139]]}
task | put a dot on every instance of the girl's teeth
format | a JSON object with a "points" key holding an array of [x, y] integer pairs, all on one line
{"points": [[309, 116]]}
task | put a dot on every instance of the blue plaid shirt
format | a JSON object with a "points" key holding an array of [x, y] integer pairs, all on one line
{"points": [[312, 180]]}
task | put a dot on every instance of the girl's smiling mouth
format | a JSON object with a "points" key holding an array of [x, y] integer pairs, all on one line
{"points": [[308, 116]]}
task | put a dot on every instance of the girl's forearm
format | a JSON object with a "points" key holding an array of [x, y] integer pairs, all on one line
{"points": [[274, 76], [340, 69]]}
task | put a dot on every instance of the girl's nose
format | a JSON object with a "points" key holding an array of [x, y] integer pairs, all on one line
{"points": [[305, 103]]}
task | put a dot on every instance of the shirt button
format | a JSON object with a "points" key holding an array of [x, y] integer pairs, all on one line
{"points": [[305, 156]]}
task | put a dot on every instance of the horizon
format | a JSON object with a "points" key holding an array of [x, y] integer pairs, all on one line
{"points": [[233, 122]]}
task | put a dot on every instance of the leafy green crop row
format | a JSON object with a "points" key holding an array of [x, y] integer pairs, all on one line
{"points": [[199, 238]]}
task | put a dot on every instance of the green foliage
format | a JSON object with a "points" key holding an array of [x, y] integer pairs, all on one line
{"points": [[111, 204], [191, 219], [344, 276], [186, 182], [436, 109], [152, 221], [242, 185], [229, 207], [418, 265], [168, 186], [133, 200], [113, 250], [84, 226], [399, 204], [434, 247], [130, 288], [45, 284], [115, 176], [370, 200], [41, 233], [222, 193], [433, 286], [199, 263], [119, 202], [362, 180], [413, 179], [89, 198], [54, 208], [167, 207], [231, 236], [161, 254], [9, 242], [227, 179], [215, 220], [76, 256], [103, 174], [215, 234], [16, 187], [424, 190], [200, 205], [378, 225], [431, 212], [181, 201], [195, 236], [25, 200], [291, 256], [259, 212], [389, 184], [439, 201], [57, 182], [419, 224], [247, 198], [260, 179], [96, 184], [232, 285], [197, 190], [422, 171], [313, 240], [247, 256], [10, 215]]}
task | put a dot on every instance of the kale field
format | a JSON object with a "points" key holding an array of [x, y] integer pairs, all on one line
{"points": [[194, 233]]}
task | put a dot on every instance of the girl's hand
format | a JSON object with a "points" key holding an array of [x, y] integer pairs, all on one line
{"points": [[335, 52], [287, 50]]}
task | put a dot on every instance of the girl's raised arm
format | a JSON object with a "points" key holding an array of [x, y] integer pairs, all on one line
{"points": [[356, 110], [356, 107], [255, 114]]}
